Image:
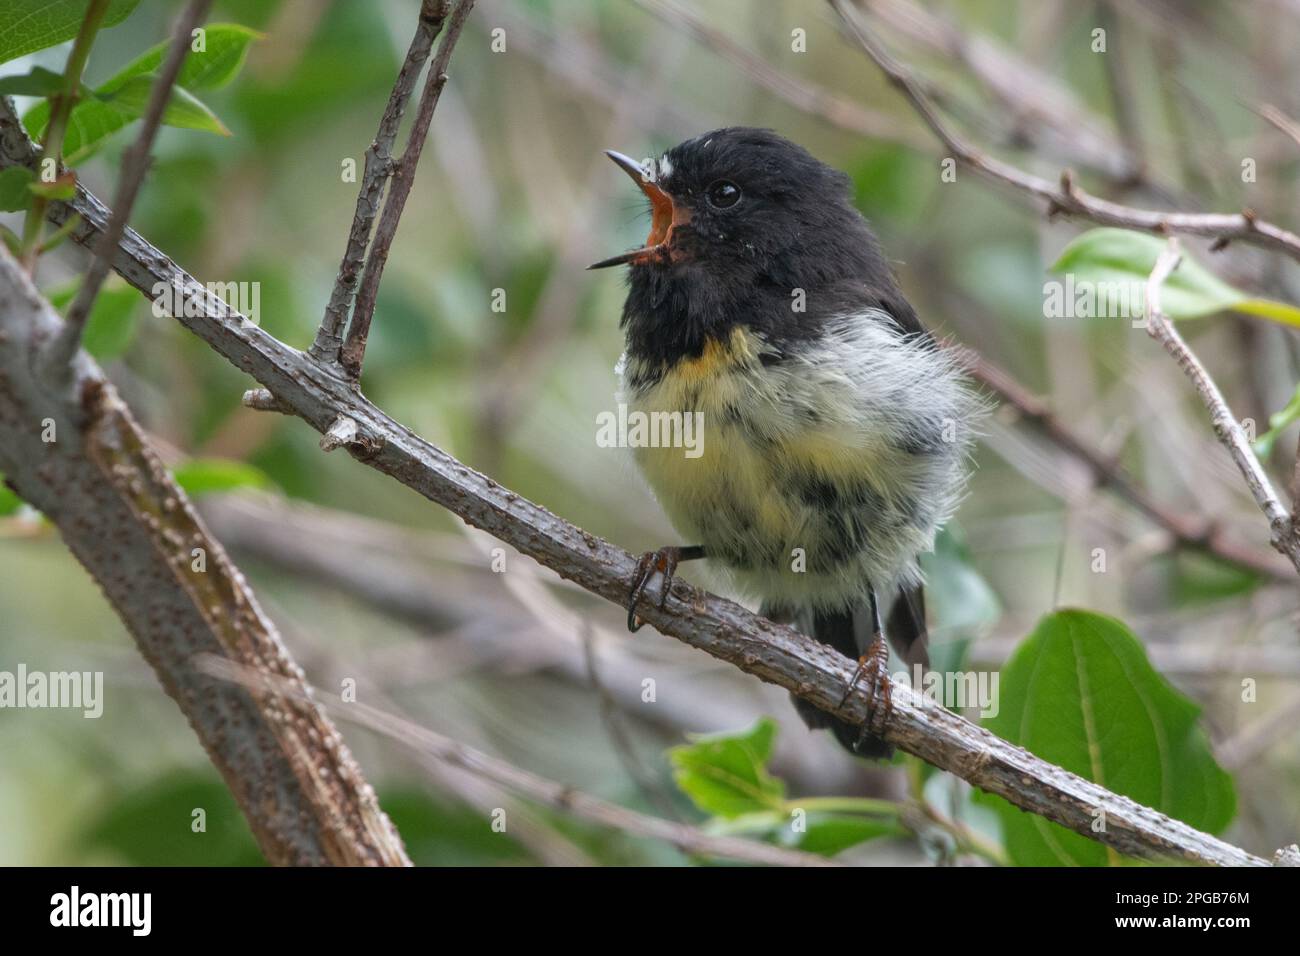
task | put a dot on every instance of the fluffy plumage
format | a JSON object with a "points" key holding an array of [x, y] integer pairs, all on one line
{"points": [[836, 432]]}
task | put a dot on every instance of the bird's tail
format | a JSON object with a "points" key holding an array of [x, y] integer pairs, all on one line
{"points": [[849, 631]]}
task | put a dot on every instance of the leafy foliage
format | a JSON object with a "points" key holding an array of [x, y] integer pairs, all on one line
{"points": [[205, 476], [1123, 256], [1080, 692], [726, 776], [32, 25], [123, 97]]}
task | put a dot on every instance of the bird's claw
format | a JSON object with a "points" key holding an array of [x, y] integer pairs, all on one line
{"points": [[874, 667], [664, 562]]}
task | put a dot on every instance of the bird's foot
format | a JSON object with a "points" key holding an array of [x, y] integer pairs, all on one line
{"points": [[873, 667], [663, 562]]}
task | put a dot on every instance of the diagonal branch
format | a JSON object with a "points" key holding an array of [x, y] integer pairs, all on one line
{"points": [[1187, 530], [558, 796], [1229, 431], [1066, 198], [78, 456], [771, 652]]}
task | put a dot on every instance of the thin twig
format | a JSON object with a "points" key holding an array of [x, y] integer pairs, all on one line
{"points": [[1044, 114], [1186, 530], [566, 799], [135, 163], [1066, 198], [1229, 431], [354, 346], [61, 106], [800, 93], [375, 175]]}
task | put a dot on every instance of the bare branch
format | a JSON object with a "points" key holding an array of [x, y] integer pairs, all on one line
{"points": [[135, 163], [566, 799], [1045, 114], [376, 172], [354, 346], [1066, 198], [1186, 530], [1284, 537], [79, 456], [797, 91]]}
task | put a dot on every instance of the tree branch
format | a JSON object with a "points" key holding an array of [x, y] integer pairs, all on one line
{"points": [[78, 455], [354, 347], [1284, 533], [376, 172], [558, 796], [1066, 198], [1188, 531], [135, 163], [769, 651], [61, 106]]}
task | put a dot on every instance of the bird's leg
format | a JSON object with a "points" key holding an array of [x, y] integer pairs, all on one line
{"points": [[874, 666], [664, 561]]}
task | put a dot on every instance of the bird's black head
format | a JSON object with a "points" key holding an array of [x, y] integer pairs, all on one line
{"points": [[746, 227]]}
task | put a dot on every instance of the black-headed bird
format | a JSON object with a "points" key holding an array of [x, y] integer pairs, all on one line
{"points": [[835, 429]]}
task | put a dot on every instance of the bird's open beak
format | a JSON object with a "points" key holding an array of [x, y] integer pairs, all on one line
{"points": [[663, 216]]}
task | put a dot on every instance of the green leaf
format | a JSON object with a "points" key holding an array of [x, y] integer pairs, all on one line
{"points": [[726, 774], [1123, 256], [93, 120], [154, 824], [36, 82], [184, 109], [205, 476], [32, 25], [113, 318], [832, 833], [825, 833], [65, 187], [1198, 578], [9, 501], [11, 240], [14, 194], [225, 49], [1277, 423], [1282, 312], [1122, 260], [959, 596], [1079, 692]]}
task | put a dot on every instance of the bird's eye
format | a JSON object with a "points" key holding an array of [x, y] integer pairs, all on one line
{"points": [[723, 193]]}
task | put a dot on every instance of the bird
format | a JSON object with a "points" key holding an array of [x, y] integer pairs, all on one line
{"points": [[836, 430]]}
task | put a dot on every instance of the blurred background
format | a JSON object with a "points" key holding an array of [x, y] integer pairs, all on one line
{"points": [[370, 582]]}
